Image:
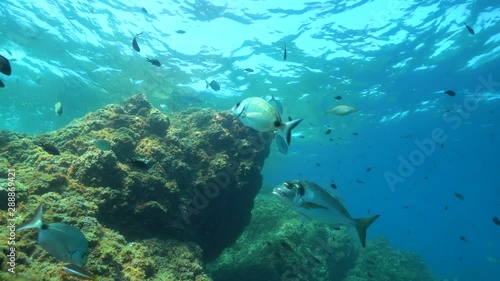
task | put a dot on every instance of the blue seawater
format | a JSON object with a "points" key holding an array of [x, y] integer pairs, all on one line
{"points": [[392, 60]]}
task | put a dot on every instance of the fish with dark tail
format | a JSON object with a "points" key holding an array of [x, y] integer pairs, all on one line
{"points": [[49, 148], [314, 202], [154, 62], [62, 241], [471, 31], [134, 43]]}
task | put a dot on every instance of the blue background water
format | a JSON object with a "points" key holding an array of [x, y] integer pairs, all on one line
{"points": [[389, 59]]}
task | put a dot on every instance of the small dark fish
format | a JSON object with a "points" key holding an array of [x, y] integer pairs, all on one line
{"points": [[406, 207], [360, 181], [463, 239], [2, 85], [138, 162], [334, 186], [284, 53], [368, 169], [135, 45], [214, 85], [442, 145], [460, 258], [496, 220], [286, 245], [290, 118], [49, 148], [318, 165], [329, 131], [154, 62], [450, 93], [5, 66], [459, 196], [471, 31], [338, 97], [144, 10], [446, 207], [355, 134], [180, 31], [8, 52], [248, 69], [369, 211]]}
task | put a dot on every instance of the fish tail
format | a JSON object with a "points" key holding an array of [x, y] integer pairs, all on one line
{"points": [[362, 225], [35, 222], [287, 128], [208, 84]]}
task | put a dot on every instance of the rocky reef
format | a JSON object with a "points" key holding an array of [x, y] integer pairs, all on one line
{"points": [[171, 192], [278, 246]]}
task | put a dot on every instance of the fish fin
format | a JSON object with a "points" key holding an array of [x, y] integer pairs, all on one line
{"points": [[311, 205], [35, 222], [208, 84], [287, 128], [362, 225]]}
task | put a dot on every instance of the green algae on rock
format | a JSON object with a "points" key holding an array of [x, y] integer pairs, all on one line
{"points": [[199, 190], [278, 246]]}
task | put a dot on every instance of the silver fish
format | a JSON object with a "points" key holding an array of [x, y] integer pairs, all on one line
{"points": [[312, 201], [58, 108], [258, 114], [64, 242]]}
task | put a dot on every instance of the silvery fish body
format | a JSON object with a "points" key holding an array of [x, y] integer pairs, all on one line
{"points": [[58, 108], [312, 201], [258, 114], [62, 241]]}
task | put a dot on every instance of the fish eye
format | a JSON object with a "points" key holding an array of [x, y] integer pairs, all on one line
{"points": [[287, 185]]}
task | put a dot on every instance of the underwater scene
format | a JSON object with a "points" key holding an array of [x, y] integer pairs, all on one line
{"points": [[249, 140]]}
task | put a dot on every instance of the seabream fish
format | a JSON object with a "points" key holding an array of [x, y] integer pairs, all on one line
{"points": [[214, 85], [58, 108], [341, 110], [258, 114], [62, 241], [312, 201]]}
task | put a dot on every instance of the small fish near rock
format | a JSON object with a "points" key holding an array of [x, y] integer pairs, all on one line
{"points": [[62, 241], [450, 93], [180, 31], [138, 162], [213, 85], [154, 62], [49, 148], [496, 221], [314, 202], [341, 110], [102, 144], [248, 69], [58, 108]]}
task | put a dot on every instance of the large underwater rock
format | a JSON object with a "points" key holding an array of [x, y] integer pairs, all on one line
{"points": [[192, 200], [278, 246]]}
